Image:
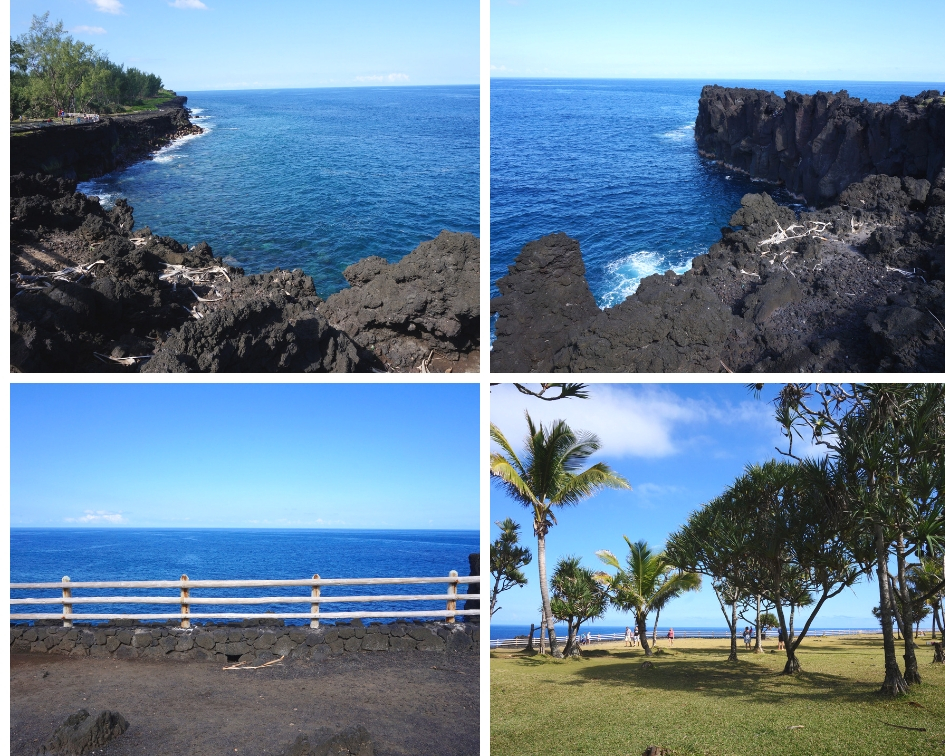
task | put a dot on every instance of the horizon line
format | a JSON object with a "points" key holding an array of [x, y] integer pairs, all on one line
{"points": [[215, 527], [720, 78], [327, 86]]}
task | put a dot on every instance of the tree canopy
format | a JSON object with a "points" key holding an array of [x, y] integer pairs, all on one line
{"points": [[51, 71]]}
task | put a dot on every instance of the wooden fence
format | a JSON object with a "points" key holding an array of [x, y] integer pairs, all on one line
{"points": [[185, 601]]}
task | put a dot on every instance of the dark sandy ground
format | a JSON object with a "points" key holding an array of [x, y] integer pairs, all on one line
{"points": [[411, 703]]}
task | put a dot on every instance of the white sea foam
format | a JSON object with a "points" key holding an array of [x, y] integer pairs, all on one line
{"points": [[92, 189], [678, 134], [624, 275], [168, 153]]}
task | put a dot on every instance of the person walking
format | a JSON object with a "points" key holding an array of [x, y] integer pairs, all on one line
{"points": [[671, 635], [628, 638]]}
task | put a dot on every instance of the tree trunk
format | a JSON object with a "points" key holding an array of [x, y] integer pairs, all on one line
{"points": [[894, 683], [656, 622], [570, 647], [791, 665], [733, 629], [531, 635], [546, 598], [758, 649], [912, 675], [938, 655], [641, 631], [541, 638]]}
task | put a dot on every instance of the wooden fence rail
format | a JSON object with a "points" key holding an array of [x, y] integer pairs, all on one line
{"points": [[186, 601]]}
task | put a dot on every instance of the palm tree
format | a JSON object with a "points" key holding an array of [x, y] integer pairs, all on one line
{"points": [[648, 583], [547, 475]]}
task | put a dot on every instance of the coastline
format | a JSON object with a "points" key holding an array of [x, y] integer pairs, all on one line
{"points": [[864, 293], [90, 294]]}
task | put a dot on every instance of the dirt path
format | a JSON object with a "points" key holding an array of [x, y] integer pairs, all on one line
{"points": [[411, 703]]}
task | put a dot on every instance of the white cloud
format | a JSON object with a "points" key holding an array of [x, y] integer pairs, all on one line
{"points": [[192, 4], [112, 518], [381, 79], [89, 30], [639, 421], [107, 6]]}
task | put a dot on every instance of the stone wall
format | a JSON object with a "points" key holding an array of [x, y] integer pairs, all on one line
{"points": [[249, 641]]}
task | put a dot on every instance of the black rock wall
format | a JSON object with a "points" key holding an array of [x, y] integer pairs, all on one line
{"points": [[88, 150], [257, 641], [817, 145]]}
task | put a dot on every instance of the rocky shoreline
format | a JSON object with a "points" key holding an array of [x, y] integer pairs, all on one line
{"points": [[855, 286], [88, 293]]}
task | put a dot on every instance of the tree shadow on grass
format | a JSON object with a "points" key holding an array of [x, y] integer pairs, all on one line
{"points": [[723, 678]]}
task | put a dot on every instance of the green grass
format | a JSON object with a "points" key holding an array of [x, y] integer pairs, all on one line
{"points": [[150, 103], [693, 701]]}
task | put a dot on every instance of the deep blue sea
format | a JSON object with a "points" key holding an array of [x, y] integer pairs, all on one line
{"points": [[613, 163], [87, 554], [315, 179]]}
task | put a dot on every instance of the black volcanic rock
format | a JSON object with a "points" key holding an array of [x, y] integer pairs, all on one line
{"points": [[861, 289], [121, 308], [544, 301], [428, 302], [88, 150], [817, 145]]}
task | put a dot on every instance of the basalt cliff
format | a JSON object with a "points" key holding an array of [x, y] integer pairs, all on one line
{"points": [[854, 284], [91, 293]]}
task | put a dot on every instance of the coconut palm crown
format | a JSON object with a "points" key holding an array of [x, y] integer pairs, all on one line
{"points": [[546, 475], [647, 584]]}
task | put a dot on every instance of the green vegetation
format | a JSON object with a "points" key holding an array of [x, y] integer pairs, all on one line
{"points": [[546, 476], [506, 559], [648, 583], [693, 701], [50, 71]]}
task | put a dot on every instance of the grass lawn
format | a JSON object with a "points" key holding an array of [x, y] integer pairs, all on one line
{"points": [[693, 701]]}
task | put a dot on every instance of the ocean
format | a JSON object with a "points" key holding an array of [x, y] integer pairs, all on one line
{"points": [[94, 554], [613, 163], [315, 179]]}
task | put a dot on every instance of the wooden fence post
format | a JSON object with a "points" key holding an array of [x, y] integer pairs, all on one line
{"points": [[184, 606], [66, 606], [316, 592], [451, 591]]}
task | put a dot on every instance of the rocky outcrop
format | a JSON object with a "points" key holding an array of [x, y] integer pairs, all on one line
{"points": [[82, 733], [88, 150], [256, 641], [817, 145], [856, 287], [423, 309], [134, 301]]}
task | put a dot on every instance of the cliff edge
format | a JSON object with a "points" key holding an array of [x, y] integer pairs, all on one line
{"points": [[817, 145]]}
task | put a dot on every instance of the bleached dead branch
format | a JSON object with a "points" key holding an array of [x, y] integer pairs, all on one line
{"points": [[200, 276], [816, 229], [41, 280], [239, 665], [126, 361], [906, 273], [425, 363]]}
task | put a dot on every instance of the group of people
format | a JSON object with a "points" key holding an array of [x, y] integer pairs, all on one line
{"points": [[631, 639]]}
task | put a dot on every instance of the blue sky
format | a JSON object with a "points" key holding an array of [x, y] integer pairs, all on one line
{"points": [[239, 44], [679, 446], [853, 40], [234, 455]]}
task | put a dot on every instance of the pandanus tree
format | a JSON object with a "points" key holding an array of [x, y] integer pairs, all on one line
{"points": [[712, 543], [506, 559], [576, 597], [646, 584], [798, 540], [546, 476], [887, 445]]}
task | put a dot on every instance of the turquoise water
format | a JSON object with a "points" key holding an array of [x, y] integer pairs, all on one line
{"points": [[613, 163], [315, 179], [93, 554]]}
